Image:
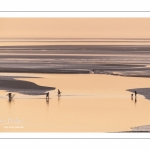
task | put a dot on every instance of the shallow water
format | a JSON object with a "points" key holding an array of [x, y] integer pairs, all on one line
{"points": [[89, 103]]}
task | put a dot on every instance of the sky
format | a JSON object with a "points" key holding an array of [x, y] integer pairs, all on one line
{"points": [[38, 28]]}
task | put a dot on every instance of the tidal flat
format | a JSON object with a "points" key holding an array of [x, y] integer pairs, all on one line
{"points": [[88, 103]]}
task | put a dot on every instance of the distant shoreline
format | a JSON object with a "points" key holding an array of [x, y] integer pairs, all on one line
{"points": [[65, 71], [50, 71]]}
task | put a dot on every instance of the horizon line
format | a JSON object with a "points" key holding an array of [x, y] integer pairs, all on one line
{"points": [[74, 39]]}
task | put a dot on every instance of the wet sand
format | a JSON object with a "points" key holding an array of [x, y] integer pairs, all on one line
{"points": [[89, 103], [125, 60]]}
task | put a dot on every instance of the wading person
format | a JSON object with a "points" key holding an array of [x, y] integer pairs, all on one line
{"points": [[47, 95], [59, 92], [9, 96], [131, 96]]}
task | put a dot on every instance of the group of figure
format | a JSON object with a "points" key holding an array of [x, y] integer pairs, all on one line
{"points": [[135, 92], [59, 93], [47, 94], [10, 96]]}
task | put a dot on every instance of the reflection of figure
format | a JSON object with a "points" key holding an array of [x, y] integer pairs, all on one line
{"points": [[47, 96], [135, 93], [135, 100], [131, 96], [59, 92], [47, 101], [58, 99]]}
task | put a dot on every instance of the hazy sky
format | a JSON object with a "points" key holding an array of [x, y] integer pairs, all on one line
{"points": [[74, 27]]}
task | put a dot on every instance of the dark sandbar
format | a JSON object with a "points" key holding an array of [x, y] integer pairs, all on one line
{"points": [[10, 84], [142, 91]]}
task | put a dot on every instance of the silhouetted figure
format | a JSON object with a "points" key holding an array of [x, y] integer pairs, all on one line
{"points": [[59, 92], [47, 96], [131, 96], [135, 93], [9, 96]]}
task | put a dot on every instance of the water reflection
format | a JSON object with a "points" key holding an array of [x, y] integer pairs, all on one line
{"points": [[9, 100], [11, 103], [47, 108], [135, 100], [47, 101], [58, 100], [47, 98]]}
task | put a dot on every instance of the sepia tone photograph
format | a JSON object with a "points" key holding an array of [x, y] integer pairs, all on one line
{"points": [[75, 75]]}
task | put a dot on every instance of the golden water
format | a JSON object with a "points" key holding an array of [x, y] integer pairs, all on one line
{"points": [[89, 103]]}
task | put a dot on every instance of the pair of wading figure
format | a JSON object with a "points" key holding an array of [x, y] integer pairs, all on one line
{"points": [[47, 94], [135, 96]]}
